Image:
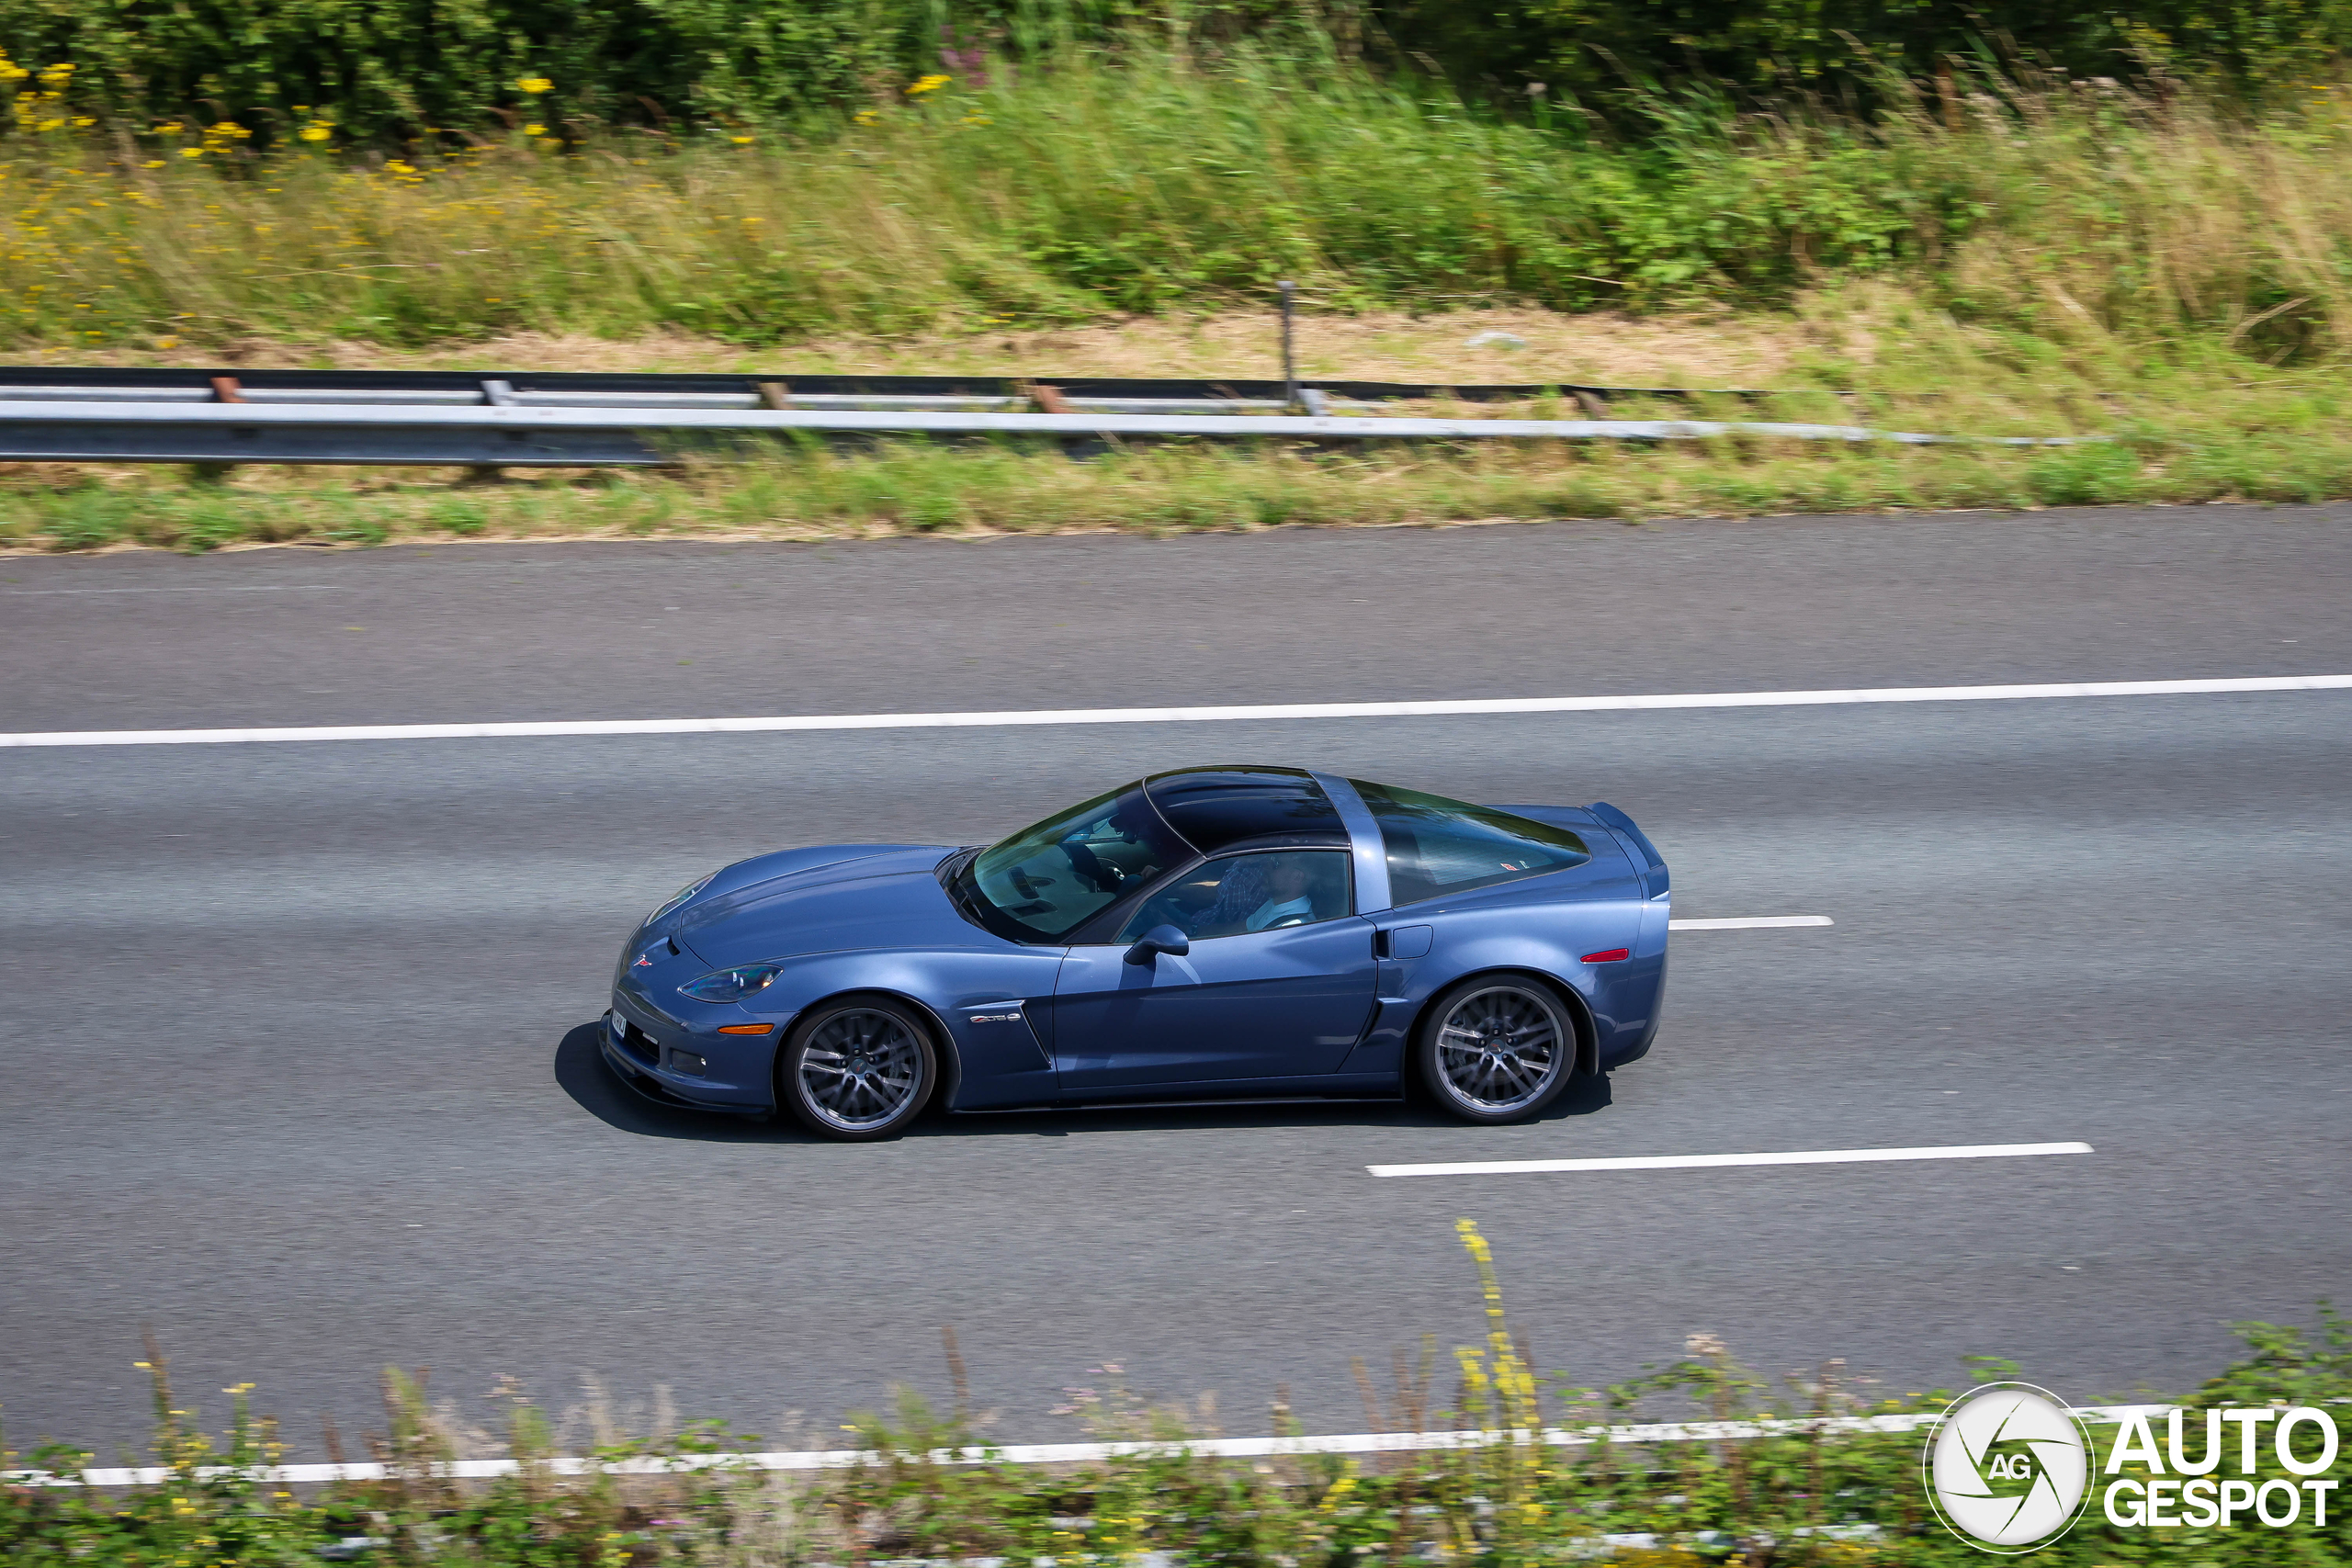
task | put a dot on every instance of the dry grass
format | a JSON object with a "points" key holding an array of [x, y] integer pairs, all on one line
{"points": [[1697, 348]]}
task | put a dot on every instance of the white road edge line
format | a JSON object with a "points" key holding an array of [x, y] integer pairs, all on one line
{"points": [[1179, 715], [1070, 1453], [192, 588], [1686, 1162], [1751, 923]]}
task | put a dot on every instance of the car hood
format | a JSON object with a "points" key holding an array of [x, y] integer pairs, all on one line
{"points": [[827, 900]]}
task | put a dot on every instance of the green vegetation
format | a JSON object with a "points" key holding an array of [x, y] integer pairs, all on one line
{"points": [[2171, 264], [416, 69], [1149, 186], [1806, 1497]]}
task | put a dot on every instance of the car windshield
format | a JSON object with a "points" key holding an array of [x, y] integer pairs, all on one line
{"points": [[1437, 846], [1044, 882]]}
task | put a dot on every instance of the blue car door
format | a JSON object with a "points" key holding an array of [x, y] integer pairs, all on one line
{"points": [[1278, 982]]}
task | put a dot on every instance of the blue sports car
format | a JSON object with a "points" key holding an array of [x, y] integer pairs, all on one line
{"points": [[1210, 932]]}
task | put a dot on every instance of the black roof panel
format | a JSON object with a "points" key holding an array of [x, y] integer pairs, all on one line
{"points": [[1246, 805]]}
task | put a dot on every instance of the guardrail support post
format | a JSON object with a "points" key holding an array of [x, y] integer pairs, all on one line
{"points": [[498, 394], [224, 390], [1290, 365]]}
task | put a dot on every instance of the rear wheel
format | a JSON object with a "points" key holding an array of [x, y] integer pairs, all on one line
{"points": [[858, 1068], [1496, 1048]]}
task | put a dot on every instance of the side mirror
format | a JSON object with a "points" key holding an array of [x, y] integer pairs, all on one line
{"points": [[1157, 940]]}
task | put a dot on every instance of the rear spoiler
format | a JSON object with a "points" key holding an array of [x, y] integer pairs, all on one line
{"points": [[1643, 853]]}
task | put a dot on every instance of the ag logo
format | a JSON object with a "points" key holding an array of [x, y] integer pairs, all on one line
{"points": [[2008, 1468]]}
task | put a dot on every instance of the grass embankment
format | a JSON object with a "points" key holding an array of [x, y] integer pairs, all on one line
{"points": [[2052, 262], [1804, 1498]]}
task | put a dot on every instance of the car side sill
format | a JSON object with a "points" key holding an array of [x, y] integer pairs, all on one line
{"points": [[1229, 1091]]}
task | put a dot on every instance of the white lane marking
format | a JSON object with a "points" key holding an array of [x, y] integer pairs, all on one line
{"points": [[1684, 1162], [194, 588], [1068, 1454], [1750, 923], [1179, 715]]}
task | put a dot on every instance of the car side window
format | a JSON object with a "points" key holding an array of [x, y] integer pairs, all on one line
{"points": [[1245, 893], [1437, 846]]}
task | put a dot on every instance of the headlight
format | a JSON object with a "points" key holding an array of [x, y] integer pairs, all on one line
{"points": [[680, 897], [732, 985]]}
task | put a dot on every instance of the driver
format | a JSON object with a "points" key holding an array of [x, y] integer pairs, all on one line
{"points": [[1286, 895]]}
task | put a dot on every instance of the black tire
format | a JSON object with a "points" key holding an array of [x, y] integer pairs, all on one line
{"points": [[1496, 1048], [857, 1068]]}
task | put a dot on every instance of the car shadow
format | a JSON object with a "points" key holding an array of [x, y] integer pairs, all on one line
{"points": [[581, 1073]]}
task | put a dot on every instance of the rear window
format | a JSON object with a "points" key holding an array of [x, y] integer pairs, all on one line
{"points": [[1437, 846]]}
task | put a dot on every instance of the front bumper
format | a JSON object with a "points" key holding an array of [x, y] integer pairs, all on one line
{"points": [[642, 1052]]}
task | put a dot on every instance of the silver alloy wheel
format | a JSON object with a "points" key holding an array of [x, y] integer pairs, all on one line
{"points": [[1501, 1049], [860, 1069]]}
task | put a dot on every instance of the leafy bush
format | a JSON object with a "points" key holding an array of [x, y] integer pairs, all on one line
{"points": [[399, 69], [1842, 48]]}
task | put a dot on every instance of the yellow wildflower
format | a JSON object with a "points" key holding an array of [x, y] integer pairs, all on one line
{"points": [[534, 131], [536, 85], [928, 84], [316, 133]]}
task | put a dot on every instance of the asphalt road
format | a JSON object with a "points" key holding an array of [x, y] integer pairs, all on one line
{"points": [[301, 1074]]}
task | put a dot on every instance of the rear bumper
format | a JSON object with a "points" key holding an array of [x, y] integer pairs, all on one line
{"points": [[1641, 1046]]}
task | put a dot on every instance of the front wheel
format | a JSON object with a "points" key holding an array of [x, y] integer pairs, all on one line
{"points": [[858, 1068], [1497, 1048]]}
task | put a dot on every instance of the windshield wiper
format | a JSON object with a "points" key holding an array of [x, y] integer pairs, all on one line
{"points": [[950, 872]]}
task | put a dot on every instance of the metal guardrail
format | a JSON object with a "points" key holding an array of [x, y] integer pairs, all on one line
{"points": [[748, 390], [570, 420]]}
